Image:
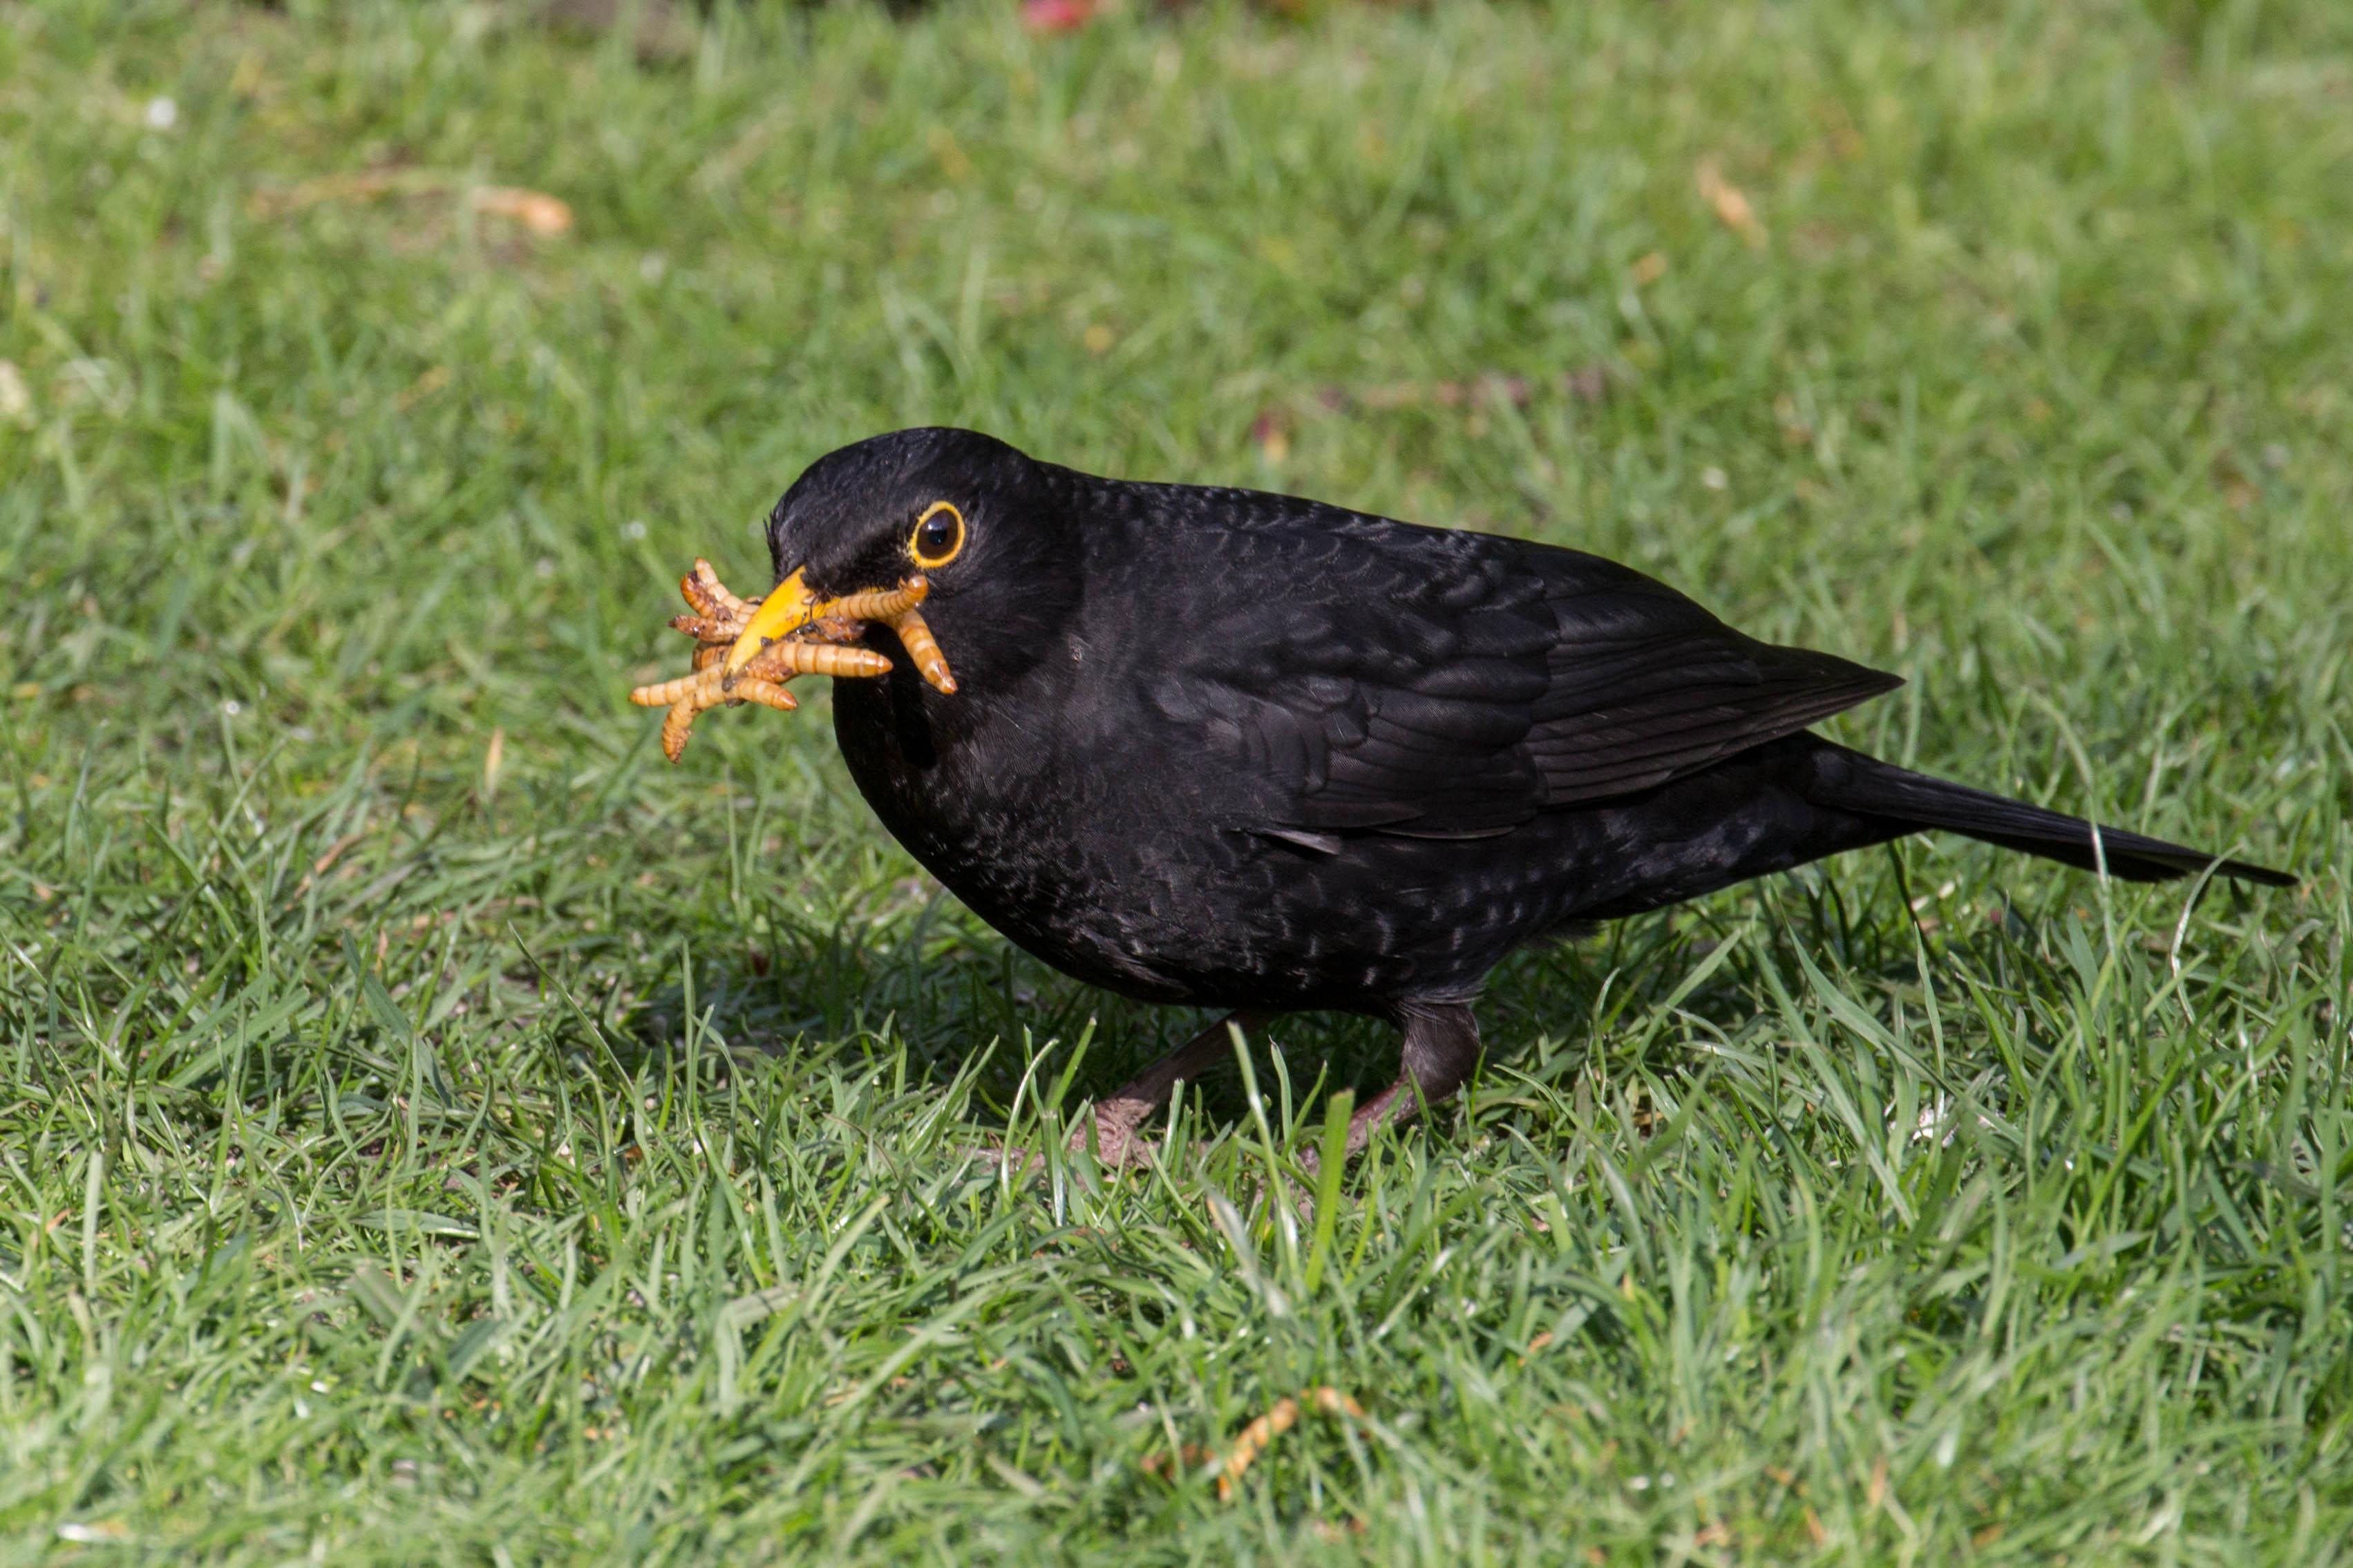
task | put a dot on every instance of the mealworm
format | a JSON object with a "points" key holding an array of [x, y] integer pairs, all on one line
{"points": [[767, 693], [829, 629], [685, 688], [824, 644], [704, 630], [875, 604], [707, 593], [677, 725], [795, 657], [924, 648]]}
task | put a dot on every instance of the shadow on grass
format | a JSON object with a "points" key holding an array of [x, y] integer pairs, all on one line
{"points": [[930, 977]]}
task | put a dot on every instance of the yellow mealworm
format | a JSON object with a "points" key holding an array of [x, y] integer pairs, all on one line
{"points": [[677, 725], [697, 599], [795, 657], [924, 648], [685, 688], [777, 662], [732, 606], [822, 644], [830, 628], [876, 604], [704, 630], [764, 665], [707, 593], [767, 693]]}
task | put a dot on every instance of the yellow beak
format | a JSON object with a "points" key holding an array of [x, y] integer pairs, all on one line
{"points": [[785, 611]]}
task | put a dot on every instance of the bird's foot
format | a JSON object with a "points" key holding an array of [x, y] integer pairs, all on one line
{"points": [[1393, 1104], [1117, 1129], [1442, 1048], [1118, 1121]]}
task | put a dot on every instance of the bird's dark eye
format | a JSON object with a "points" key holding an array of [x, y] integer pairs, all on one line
{"points": [[938, 537]]}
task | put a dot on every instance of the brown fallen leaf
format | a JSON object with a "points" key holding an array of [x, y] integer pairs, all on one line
{"points": [[366, 185], [423, 387], [536, 210], [1731, 204]]}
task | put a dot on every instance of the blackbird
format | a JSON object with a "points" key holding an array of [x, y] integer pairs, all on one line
{"points": [[1259, 753]]}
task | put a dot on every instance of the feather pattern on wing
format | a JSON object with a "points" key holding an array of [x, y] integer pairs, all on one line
{"points": [[1455, 685]]}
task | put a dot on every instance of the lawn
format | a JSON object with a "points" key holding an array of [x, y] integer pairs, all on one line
{"points": [[436, 1129]]}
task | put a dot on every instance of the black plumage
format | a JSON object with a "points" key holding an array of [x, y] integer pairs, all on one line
{"points": [[1256, 753]]}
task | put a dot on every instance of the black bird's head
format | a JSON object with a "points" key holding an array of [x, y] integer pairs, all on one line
{"points": [[976, 519]]}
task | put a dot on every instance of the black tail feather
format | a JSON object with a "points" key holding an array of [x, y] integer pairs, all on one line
{"points": [[1856, 783]]}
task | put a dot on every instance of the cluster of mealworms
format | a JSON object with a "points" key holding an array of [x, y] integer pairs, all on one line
{"points": [[817, 646]]}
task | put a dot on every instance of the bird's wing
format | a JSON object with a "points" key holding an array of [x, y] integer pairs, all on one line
{"points": [[1453, 685], [1645, 686]]}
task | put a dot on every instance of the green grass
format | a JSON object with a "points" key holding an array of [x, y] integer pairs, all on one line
{"points": [[435, 1129]]}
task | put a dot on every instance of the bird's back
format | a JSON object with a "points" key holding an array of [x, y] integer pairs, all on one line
{"points": [[1285, 754]]}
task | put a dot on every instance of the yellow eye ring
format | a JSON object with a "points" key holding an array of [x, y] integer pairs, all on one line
{"points": [[938, 537]]}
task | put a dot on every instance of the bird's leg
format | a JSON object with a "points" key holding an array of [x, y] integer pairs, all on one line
{"points": [[1441, 1049], [1117, 1118]]}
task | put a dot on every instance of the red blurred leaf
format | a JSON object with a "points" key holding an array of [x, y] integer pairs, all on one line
{"points": [[1056, 16]]}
